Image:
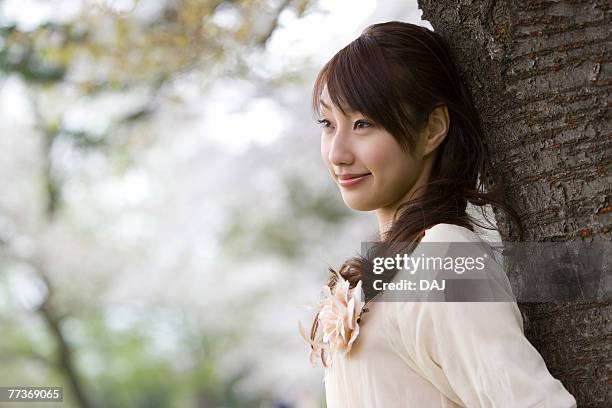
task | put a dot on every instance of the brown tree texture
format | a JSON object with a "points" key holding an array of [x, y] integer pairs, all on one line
{"points": [[540, 76]]}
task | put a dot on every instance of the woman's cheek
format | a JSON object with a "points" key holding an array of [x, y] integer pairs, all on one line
{"points": [[376, 160], [325, 151]]}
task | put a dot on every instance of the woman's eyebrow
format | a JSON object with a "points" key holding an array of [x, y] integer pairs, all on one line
{"points": [[325, 105]]}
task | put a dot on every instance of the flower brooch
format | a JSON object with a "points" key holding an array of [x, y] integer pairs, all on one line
{"points": [[340, 313]]}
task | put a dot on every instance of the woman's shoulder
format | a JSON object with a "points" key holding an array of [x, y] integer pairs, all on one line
{"points": [[454, 240], [444, 232]]}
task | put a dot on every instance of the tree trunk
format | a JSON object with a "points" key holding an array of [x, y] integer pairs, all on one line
{"points": [[540, 76]]}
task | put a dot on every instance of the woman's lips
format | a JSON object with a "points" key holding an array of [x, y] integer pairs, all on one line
{"points": [[347, 180]]}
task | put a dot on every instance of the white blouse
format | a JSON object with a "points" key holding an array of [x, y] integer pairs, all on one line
{"points": [[443, 354]]}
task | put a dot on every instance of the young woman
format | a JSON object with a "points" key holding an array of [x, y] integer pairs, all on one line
{"points": [[401, 137]]}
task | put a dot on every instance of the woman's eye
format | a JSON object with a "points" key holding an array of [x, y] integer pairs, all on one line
{"points": [[322, 122], [363, 122]]}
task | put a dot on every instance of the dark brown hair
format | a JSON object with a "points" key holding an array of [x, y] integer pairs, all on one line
{"points": [[396, 74]]}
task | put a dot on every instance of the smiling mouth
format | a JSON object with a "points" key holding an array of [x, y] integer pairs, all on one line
{"points": [[347, 180], [351, 176]]}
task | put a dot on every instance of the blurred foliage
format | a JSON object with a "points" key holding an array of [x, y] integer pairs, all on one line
{"points": [[155, 358], [103, 48], [307, 202], [134, 374], [252, 231], [101, 51]]}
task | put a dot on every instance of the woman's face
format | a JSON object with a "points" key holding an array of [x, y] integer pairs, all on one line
{"points": [[355, 145]]}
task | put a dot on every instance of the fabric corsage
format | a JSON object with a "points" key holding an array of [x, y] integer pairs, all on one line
{"points": [[340, 310]]}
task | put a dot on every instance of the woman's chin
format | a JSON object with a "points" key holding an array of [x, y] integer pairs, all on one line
{"points": [[358, 205]]}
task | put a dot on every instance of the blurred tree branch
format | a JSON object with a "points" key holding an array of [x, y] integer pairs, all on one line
{"points": [[65, 360]]}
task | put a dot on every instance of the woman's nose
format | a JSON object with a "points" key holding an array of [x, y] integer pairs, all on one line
{"points": [[340, 151]]}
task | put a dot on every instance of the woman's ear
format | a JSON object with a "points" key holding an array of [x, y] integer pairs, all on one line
{"points": [[436, 128]]}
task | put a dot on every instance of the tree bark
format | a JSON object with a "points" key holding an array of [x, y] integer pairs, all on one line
{"points": [[540, 76]]}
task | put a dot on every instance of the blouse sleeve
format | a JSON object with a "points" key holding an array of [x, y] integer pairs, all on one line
{"points": [[478, 352]]}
